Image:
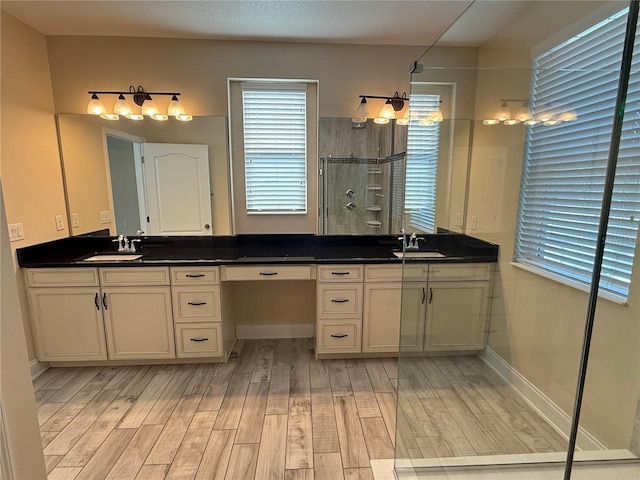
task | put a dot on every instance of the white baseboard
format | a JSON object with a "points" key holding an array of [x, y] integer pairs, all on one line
{"points": [[560, 420], [37, 368], [251, 332]]}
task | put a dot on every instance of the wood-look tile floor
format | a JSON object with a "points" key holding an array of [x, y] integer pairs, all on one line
{"points": [[274, 412]]}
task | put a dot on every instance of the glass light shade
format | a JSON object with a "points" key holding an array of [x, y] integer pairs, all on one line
{"points": [[387, 111], [184, 118], [362, 111], [549, 123], [568, 116], [404, 120], [524, 114], [530, 122], [175, 107], [122, 107], [359, 119], [110, 116], [425, 122], [503, 112], [95, 106], [436, 116], [543, 116], [381, 121], [160, 117], [490, 121], [135, 116], [149, 108], [512, 121]]}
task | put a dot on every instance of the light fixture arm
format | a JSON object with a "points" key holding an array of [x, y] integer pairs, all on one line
{"points": [[397, 101], [139, 95]]}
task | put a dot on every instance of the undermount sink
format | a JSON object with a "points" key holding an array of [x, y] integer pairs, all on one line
{"points": [[125, 257], [418, 254]]}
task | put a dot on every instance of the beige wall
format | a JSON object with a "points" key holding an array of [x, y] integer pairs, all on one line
{"points": [[30, 164], [537, 324], [199, 69]]}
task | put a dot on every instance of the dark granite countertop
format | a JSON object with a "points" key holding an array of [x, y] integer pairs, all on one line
{"points": [[255, 249]]}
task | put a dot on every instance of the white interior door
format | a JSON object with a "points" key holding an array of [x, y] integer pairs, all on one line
{"points": [[178, 191]]}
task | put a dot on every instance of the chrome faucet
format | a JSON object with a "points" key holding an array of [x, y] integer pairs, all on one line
{"points": [[410, 242], [126, 246]]}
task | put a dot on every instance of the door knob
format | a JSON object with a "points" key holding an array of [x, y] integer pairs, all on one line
{"points": [[207, 226]]}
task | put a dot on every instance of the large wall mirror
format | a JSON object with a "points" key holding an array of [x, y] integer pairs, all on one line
{"points": [[361, 186]]}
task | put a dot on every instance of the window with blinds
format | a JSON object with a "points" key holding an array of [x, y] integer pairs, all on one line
{"points": [[275, 147], [422, 163], [564, 164]]}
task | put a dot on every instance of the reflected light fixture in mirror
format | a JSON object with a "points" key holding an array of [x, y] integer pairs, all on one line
{"points": [[141, 98], [546, 115]]}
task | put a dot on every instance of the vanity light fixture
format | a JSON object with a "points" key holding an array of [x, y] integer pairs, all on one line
{"points": [[388, 112], [141, 98], [546, 115]]}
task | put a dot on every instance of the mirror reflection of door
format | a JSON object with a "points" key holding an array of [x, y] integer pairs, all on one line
{"points": [[178, 191], [159, 189]]}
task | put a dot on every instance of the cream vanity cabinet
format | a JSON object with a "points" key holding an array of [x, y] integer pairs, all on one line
{"points": [[457, 309], [137, 312], [339, 309], [83, 314], [66, 313], [197, 312]]}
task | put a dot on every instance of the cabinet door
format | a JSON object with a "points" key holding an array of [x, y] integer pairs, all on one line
{"points": [[138, 322], [381, 317], [456, 315], [68, 323], [414, 302]]}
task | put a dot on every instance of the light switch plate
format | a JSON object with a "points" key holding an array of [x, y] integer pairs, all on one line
{"points": [[16, 232], [75, 220], [458, 219], [59, 223], [105, 217]]}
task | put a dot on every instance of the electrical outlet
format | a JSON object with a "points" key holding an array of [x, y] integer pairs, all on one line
{"points": [[16, 232], [59, 222], [75, 220], [474, 222], [458, 219], [105, 217]]}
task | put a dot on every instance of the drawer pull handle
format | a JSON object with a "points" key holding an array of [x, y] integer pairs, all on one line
{"points": [[339, 300], [95, 300], [268, 274], [194, 275], [430, 295], [196, 304], [104, 301], [340, 273], [200, 339], [339, 335]]}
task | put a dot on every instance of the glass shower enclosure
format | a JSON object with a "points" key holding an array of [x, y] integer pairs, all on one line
{"points": [[514, 399]]}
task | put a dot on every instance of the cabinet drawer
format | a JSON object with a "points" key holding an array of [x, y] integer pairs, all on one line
{"points": [[194, 276], [126, 276], [342, 300], [269, 272], [191, 304], [62, 277], [338, 336], [389, 273], [461, 271], [198, 340], [340, 273]]}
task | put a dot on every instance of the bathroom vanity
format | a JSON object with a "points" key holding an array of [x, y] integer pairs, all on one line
{"points": [[176, 302]]}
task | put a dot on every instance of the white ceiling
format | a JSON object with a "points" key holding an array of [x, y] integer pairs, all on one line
{"points": [[368, 22]]}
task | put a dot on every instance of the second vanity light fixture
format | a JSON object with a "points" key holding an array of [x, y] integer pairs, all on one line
{"points": [[545, 116], [387, 112], [141, 98]]}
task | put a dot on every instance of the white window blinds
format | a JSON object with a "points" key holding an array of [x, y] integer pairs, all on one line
{"points": [[564, 166], [275, 147], [422, 163]]}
